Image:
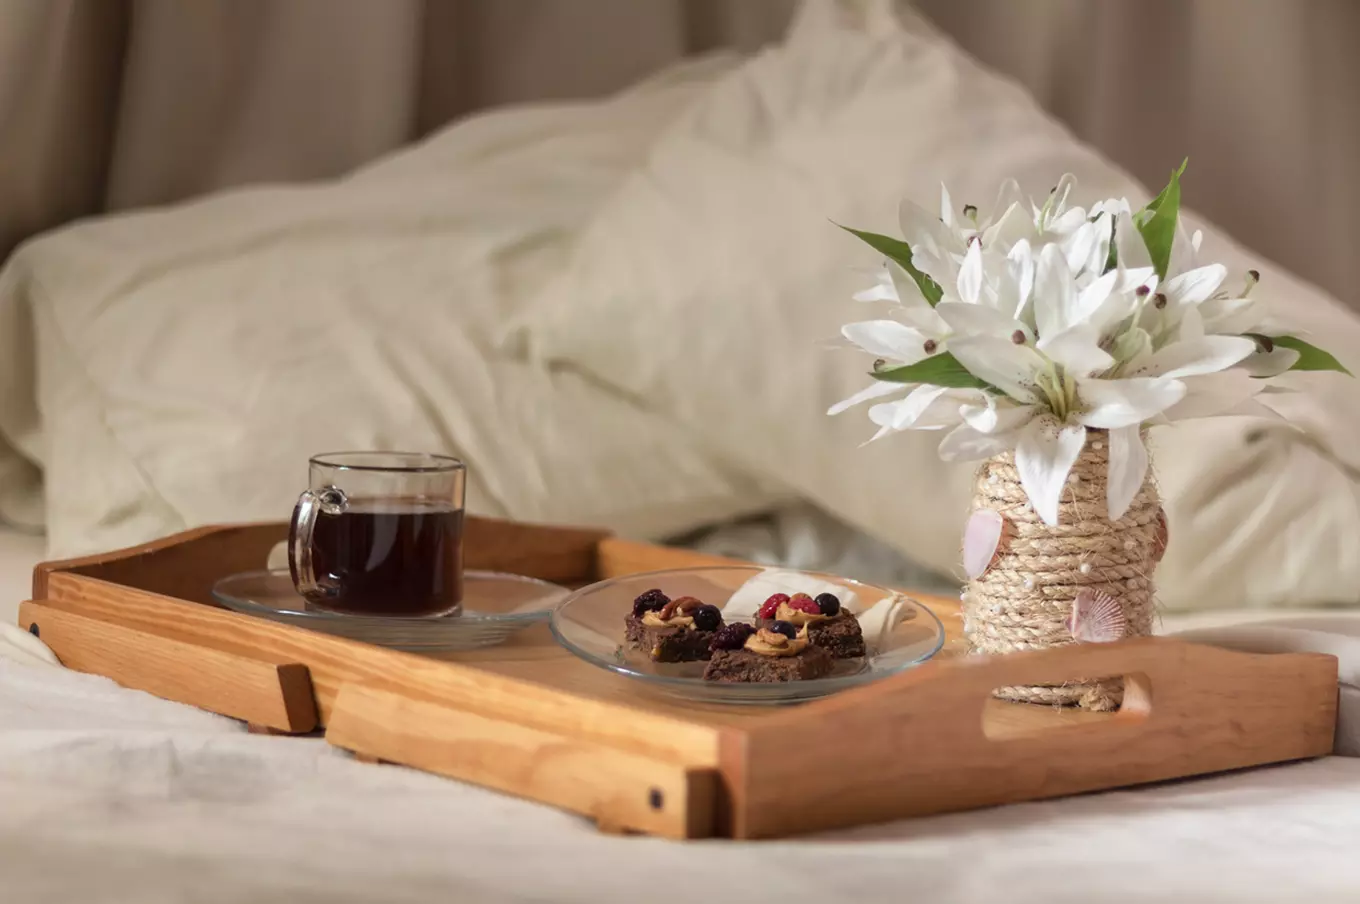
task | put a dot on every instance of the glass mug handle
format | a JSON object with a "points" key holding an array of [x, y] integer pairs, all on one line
{"points": [[329, 500]]}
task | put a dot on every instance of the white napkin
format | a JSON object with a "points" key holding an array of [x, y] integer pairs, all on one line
{"points": [[876, 621], [749, 596], [1337, 635], [17, 645]]}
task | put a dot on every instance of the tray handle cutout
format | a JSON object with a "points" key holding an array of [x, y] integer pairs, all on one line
{"points": [[919, 744]]}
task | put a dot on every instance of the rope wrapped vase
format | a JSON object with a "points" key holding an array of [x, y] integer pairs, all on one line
{"points": [[1039, 586]]}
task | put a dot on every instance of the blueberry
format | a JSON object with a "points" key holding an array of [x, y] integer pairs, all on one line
{"points": [[650, 601], [785, 628], [829, 603], [731, 637], [706, 617]]}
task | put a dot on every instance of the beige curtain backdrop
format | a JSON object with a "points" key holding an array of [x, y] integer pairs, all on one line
{"points": [[114, 104]]}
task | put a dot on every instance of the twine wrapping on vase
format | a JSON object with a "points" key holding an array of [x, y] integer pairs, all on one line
{"points": [[1023, 601]]}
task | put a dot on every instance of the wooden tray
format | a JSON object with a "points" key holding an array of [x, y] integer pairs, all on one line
{"points": [[529, 719]]}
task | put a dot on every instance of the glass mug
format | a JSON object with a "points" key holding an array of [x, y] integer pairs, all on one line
{"points": [[380, 533]]}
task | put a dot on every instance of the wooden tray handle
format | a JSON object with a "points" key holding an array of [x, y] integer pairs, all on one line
{"points": [[923, 746], [276, 695], [621, 791]]}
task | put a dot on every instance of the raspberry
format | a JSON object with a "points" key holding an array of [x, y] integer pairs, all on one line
{"points": [[771, 605], [650, 601], [706, 617], [731, 637], [785, 628], [829, 603], [804, 603]]}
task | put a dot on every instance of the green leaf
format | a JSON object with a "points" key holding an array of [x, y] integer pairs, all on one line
{"points": [[938, 370], [1157, 222], [1112, 259], [899, 252], [1157, 202], [1310, 356]]}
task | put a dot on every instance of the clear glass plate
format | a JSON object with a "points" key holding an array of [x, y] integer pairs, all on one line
{"points": [[494, 607], [590, 623]]}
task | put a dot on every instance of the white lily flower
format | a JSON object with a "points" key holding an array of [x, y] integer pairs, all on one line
{"points": [[1054, 323]]}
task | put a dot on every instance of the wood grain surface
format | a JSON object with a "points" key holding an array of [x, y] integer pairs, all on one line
{"points": [[922, 746], [528, 718], [619, 790], [254, 686]]}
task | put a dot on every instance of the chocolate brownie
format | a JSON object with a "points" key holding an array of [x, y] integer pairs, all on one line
{"points": [[840, 635], [731, 666], [667, 643]]}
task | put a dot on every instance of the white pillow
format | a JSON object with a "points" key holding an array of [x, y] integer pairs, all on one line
{"points": [[709, 286], [189, 360]]}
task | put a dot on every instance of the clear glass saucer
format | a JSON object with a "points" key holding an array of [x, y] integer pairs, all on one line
{"points": [[899, 632], [494, 607]]}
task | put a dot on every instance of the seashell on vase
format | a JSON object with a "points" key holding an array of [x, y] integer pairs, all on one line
{"points": [[1047, 586]]}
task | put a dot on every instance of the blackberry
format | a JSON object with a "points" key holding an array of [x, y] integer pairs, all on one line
{"points": [[829, 603], [706, 617], [731, 637], [785, 628], [650, 601]]}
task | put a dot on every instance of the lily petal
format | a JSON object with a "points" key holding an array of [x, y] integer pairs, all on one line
{"points": [[1068, 222], [883, 290], [1080, 247], [994, 418], [970, 274], [1233, 316], [1195, 286], [1271, 363], [1205, 355], [1044, 456], [1007, 366], [925, 408], [1128, 242], [876, 390], [1120, 403], [1131, 278], [963, 443], [920, 226], [980, 320], [907, 291], [1078, 350], [1128, 469], [1012, 226], [1093, 298], [887, 339], [1054, 296], [1020, 269]]}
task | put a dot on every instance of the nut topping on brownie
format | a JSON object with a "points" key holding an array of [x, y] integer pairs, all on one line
{"points": [[828, 625], [678, 630], [771, 642]]}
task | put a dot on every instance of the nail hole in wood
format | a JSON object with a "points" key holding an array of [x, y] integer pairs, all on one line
{"points": [[656, 799], [33, 629]]}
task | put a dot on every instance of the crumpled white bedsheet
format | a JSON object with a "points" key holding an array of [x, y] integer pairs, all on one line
{"points": [[111, 795]]}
